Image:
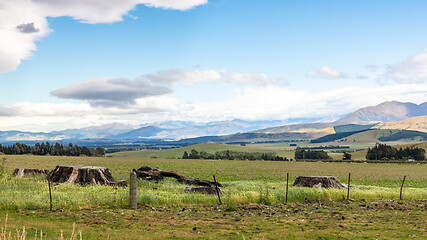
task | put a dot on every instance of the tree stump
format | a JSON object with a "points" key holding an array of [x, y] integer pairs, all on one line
{"points": [[83, 175], [21, 172], [318, 181]]}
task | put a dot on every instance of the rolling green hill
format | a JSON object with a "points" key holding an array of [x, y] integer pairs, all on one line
{"points": [[376, 135], [352, 128]]}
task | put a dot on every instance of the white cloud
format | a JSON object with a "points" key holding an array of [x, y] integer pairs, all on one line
{"points": [[190, 77], [111, 91], [413, 70], [173, 4], [250, 103], [122, 92], [274, 102], [22, 22], [324, 72]]}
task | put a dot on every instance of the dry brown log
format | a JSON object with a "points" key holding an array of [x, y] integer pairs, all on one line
{"points": [[318, 181], [21, 172], [83, 175], [148, 173]]}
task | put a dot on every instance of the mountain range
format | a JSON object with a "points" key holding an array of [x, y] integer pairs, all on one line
{"points": [[408, 116]]}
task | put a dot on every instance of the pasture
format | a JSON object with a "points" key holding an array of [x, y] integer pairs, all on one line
{"points": [[253, 201]]}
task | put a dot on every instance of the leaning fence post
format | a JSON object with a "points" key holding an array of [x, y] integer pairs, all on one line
{"points": [[132, 191], [217, 190], [50, 194], [287, 187], [401, 187], [348, 187]]}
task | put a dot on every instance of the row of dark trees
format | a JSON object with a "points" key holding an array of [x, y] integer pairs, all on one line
{"points": [[386, 152], [232, 155], [54, 150], [311, 154]]}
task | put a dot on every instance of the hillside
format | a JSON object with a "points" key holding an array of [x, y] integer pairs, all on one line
{"points": [[414, 123], [385, 112], [373, 136]]}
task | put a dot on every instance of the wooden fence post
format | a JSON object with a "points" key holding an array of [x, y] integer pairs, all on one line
{"points": [[217, 191], [348, 187], [401, 187], [132, 191], [50, 194], [287, 187]]}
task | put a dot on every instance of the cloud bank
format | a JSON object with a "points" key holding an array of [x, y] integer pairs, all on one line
{"points": [[249, 103], [324, 72], [22, 22]]}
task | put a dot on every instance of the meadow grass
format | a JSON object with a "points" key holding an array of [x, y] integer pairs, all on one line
{"points": [[178, 152], [243, 181], [375, 174], [165, 211], [32, 193]]}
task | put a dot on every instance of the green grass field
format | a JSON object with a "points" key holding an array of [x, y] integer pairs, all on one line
{"points": [[178, 152], [253, 201], [356, 143]]}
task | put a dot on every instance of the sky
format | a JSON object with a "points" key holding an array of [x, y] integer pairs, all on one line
{"points": [[73, 64]]}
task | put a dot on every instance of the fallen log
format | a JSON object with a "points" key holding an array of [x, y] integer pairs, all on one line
{"points": [[148, 173], [318, 181], [83, 175], [21, 172]]}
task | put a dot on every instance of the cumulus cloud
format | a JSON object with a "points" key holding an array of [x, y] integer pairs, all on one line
{"points": [[190, 77], [324, 72], [22, 22], [413, 70], [111, 91]]}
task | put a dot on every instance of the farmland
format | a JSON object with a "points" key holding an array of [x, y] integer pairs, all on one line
{"points": [[253, 200]]}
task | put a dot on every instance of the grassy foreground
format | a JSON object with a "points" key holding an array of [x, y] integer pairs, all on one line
{"points": [[310, 220], [253, 201]]}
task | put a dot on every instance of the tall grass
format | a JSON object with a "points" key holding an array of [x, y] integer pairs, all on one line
{"points": [[33, 193], [6, 234]]}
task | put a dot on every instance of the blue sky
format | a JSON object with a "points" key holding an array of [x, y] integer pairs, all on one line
{"points": [[73, 64]]}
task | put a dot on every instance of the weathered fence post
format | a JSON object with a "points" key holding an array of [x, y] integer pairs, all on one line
{"points": [[348, 187], [132, 191], [50, 194], [401, 187], [217, 191], [287, 187]]}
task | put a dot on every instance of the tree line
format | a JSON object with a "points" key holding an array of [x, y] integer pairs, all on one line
{"points": [[56, 149], [386, 152], [311, 154], [233, 155]]}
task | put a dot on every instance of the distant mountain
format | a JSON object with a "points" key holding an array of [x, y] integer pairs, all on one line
{"points": [[92, 132], [385, 112], [182, 129], [143, 132], [392, 115]]}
